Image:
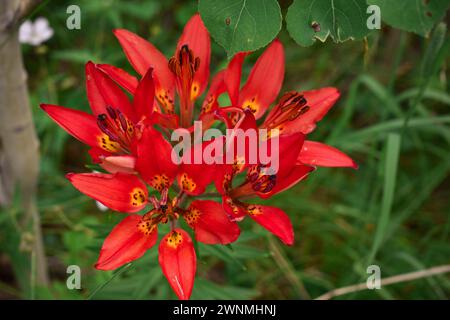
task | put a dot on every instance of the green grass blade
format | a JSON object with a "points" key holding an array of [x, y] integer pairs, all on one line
{"points": [[390, 178]]}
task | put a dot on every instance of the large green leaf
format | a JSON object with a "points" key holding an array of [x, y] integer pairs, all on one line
{"points": [[308, 20], [417, 16], [241, 25]]}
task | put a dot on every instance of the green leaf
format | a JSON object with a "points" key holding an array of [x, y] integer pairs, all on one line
{"points": [[390, 179], [342, 20], [241, 25], [417, 16]]}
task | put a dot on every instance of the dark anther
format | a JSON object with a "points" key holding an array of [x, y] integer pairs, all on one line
{"points": [[196, 64], [300, 100], [111, 112], [123, 122]]}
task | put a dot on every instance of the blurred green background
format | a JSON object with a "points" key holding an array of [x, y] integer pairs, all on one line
{"points": [[392, 213]]}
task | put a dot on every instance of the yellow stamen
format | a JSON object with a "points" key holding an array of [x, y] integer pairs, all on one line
{"points": [[107, 144], [137, 197], [174, 239], [187, 184]]}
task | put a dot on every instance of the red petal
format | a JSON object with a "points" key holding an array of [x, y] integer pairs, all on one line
{"points": [[233, 75], [234, 212], [223, 172], [169, 121], [297, 174], [103, 92], [241, 141], [120, 76], [121, 192], [291, 178], [211, 223], [264, 81], [322, 155], [143, 55], [193, 178], [289, 149], [246, 122], [144, 97], [274, 220], [319, 101], [178, 262], [196, 36], [286, 153], [154, 161], [215, 90], [81, 125], [124, 244]]}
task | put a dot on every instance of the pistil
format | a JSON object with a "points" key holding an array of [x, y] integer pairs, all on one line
{"points": [[184, 65]]}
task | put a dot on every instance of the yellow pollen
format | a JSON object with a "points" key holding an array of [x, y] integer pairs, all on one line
{"points": [[146, 226], [233, 207], [187, 184], [107, 144], [130, 128], [207, 107], [174, 239], [254, 210], [194, 90], [137, 197], [191, 216], [238, 164], [251, 105], [160, 182], [165, 101]]}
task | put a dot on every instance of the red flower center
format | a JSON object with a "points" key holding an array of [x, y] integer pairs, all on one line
{"points": [[291, 106], [184, 65], [118, 128]]}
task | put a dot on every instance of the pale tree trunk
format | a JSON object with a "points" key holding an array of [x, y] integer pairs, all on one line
{"points": [[19, 145]]}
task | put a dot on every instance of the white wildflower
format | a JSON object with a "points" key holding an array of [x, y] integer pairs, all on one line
{"points": [[35, 33]]}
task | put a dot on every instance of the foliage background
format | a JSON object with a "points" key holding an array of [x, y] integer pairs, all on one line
{"points": [[390, 213]]}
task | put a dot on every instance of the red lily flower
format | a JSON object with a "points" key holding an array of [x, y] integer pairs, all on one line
{"points": [[116, 124], [187, 71], [260, 182], [129, 140], [132, 237], [295, 112]]}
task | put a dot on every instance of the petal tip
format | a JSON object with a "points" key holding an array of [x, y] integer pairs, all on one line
{"points": [[117, 31], [101, 266], [69, 176]]}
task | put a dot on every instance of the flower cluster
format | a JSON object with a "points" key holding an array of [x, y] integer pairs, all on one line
{"points": [[128, 135]]}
